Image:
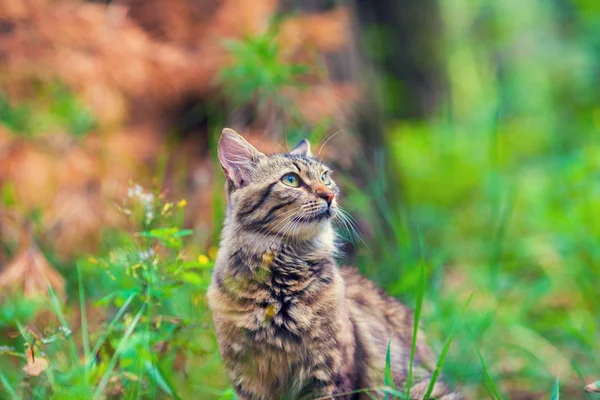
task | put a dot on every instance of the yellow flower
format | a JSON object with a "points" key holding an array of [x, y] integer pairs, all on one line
{"points": [[182, 203], [203, 260]]}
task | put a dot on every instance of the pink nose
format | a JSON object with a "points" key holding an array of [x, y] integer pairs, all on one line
{"points": [[328, 196]]}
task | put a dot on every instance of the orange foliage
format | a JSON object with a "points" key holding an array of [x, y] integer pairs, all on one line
{"points": [[131, 63]]}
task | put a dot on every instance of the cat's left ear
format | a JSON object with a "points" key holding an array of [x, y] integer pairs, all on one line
{"points": [[238, 157], [302, 149]]}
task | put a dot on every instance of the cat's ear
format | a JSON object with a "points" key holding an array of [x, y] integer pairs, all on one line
{"points": [[302, 149], [238, 157]]}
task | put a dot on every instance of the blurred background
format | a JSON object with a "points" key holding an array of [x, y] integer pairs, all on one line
{"points": [[464, 134]]}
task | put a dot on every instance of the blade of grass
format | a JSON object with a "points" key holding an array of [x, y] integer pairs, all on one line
{"points": [[163, 383], [111, 326], [8, 387], [116, 355], [85, 338], [388, 379], [417, 317], [442, 358], [57, 309], [556, 390], [490, 384]]}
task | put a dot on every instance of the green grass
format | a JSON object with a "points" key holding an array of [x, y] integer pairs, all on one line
{"points": [[388, 378], [496, 193], [54, 109], [420, 292], [148, 286], [556, 390]]}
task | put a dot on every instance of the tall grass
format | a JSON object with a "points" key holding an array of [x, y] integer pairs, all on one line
{"points": [[501, 184]]}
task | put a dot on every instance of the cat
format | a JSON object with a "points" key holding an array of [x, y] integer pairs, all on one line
{"points": [[289, 322]]}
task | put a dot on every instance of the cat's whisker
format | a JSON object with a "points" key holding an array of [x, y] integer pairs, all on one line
{"points": [[327, 140], [351, 224]]}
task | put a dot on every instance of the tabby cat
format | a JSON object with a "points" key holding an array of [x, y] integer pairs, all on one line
{"points": [[289, 322]]}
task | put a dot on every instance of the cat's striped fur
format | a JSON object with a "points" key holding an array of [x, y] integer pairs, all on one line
{"points": [[290, 323]]}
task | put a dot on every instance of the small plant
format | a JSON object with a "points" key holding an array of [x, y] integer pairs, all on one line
{"points": [[155, 313], [258, 73], [260, 78]]}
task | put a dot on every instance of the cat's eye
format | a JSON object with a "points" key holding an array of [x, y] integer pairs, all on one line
{"points": [[325, 178], [291, 179]]}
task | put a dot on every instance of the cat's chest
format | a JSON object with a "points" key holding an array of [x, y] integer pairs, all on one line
{"points": [[275, 298], [283, 274]]}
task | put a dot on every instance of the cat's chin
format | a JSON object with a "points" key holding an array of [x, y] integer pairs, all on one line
{"points": [[310, 230], [326, 214]]}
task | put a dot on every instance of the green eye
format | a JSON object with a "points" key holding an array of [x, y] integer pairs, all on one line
{"points": [[291, 179], [325, 178]]}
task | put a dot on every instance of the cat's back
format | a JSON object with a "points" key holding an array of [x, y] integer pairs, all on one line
{"points": [[369, 303], [380, 320]]}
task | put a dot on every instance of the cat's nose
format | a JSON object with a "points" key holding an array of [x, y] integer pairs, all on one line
{"points": [[327, 195]]}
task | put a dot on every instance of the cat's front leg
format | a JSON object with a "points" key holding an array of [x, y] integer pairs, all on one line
{"points": [[322, 386], [244, 393]]}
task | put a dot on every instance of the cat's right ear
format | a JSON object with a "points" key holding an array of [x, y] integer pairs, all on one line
{"points": [[238, 157], [302, 149]]}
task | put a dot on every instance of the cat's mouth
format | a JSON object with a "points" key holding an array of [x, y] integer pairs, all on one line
{"points": [[318, 216]]}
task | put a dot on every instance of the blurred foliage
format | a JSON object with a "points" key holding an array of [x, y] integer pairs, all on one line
{"points": [[154, 316], [259, 77], [501, 183], [54, 109], [258, 73]]}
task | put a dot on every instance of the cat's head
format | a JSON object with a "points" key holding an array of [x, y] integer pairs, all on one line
{"points": [[289, 194]]}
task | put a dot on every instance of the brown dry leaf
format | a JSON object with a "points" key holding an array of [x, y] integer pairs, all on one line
{"points": [[321, 101], [236, 18], [31, 273], [77, 167], [326, 32], [13, 9], [31, 170], [76, 216], [35, 364]]}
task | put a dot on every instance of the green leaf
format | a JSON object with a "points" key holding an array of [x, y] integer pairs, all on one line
{"points": [[157, 376], [183, 232], [193, 278], [160, 233]]}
